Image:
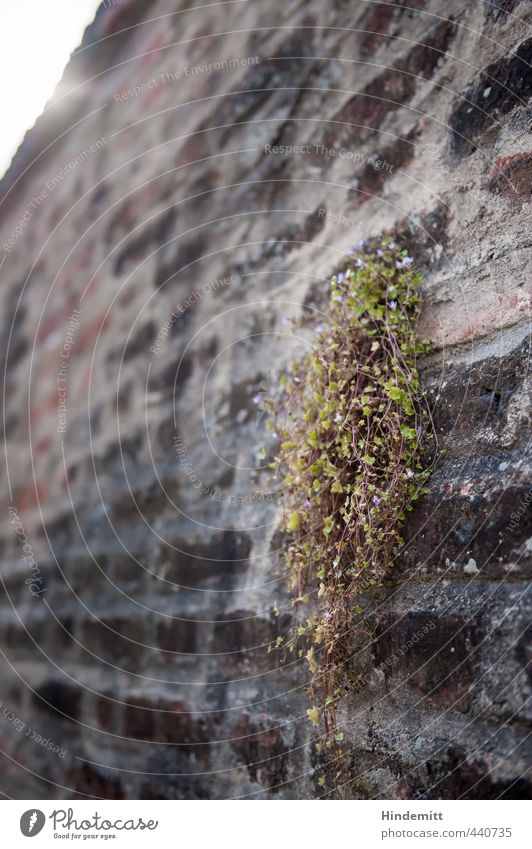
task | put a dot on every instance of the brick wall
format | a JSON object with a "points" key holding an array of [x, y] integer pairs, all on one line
{"points": [[160, 257]]}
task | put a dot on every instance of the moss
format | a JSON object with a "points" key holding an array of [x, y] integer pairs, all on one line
{"points": [[352, 422]]}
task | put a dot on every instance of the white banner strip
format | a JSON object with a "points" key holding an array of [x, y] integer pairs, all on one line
{"points": [[245, 824]]}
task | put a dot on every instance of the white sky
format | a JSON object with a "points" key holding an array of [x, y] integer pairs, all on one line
{"points": [[38, 36]]}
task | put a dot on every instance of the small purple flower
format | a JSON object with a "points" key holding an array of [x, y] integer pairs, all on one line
{"points": [[379, 252], [405, 263], [376, 500], [319, 327], [341, 277], [306, 503], [359, 263], [275, 436], [257, 399], [360, 244], [393, 246], [392, 305]]}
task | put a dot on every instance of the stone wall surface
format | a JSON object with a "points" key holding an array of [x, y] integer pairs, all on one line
{"points": [[161, 253]]}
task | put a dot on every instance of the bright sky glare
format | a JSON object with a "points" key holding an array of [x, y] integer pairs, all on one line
{"points": [[38, 37]]}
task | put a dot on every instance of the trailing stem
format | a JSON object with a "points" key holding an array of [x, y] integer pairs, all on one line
{"points": [[351, 422]]}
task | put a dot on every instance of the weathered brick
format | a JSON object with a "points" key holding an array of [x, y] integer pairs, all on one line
{"points": [[115, 639], [262, 746], [95, 782], [511, 177], [61, 699], [501, 87], [219, 563], [365, 112], [433, 654]]}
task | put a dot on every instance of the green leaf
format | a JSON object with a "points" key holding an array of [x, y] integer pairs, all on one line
{"points": [[312, 439], [328, 526], [394, 393], [313, 714], [313, 666], [293, 523]]}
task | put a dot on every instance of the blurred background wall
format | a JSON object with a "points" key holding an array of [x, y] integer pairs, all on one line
{"points": [[160, 251]]}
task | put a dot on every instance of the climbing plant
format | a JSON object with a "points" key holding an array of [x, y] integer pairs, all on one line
{"points": [[352, 423]]}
